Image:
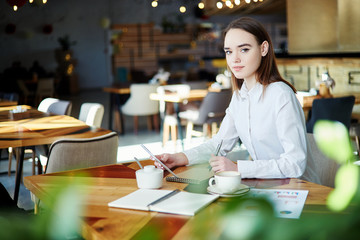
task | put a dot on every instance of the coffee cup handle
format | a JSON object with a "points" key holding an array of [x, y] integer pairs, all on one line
{"points": [[211, 181]]}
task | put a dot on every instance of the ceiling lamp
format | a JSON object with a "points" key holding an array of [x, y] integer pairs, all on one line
{"points": [[16, 4]]}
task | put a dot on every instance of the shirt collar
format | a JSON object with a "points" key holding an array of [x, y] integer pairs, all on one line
{"points": [[254, 93]]}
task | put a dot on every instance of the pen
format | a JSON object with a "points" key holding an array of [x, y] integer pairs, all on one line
{"points": [[164, 197], [156, 159], [216, 151]]}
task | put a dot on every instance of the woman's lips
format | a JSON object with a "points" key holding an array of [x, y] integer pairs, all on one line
{"points": [[237, 68]]}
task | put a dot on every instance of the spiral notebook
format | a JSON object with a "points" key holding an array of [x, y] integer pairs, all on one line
{"points": [[182, 203], [196, 174]]}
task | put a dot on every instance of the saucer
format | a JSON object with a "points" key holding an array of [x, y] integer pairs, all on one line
{"points": [[241, 191]]}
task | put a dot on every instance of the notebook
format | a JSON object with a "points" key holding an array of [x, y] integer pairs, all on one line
{"points": [[196, 174], [182, 203]]}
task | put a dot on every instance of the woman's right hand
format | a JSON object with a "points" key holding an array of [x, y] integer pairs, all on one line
{"points": [[172, 160]]}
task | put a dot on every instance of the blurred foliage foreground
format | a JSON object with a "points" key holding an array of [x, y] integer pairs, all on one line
{"points": [[236, 218]]}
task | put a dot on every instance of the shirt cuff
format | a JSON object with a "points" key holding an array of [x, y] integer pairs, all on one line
{"points": [[246, 168]]}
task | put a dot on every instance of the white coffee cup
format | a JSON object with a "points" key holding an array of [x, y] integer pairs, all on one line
{"points": [[226, 181], [149, 177]]}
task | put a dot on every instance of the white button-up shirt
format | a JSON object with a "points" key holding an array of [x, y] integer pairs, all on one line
{"points": [[270, 124]]}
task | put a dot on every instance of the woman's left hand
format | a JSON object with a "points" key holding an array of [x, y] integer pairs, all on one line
{"points": [[220, 164]]}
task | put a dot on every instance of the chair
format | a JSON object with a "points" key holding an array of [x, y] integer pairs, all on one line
{"points": [[49, 105], [325, 167], [45, 88], [92, 114], [211, 111], [25, 92], [139, 104], [335, 109], [67, 154], [55, 106], [167, 115]]}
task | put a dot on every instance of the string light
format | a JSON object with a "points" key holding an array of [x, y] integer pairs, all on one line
{"points": [[182, 9], [219, 5], [201, 5], [15, 8], [154, 4], [31, 1]]}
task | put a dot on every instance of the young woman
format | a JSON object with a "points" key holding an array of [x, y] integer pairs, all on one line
{"points": [[264, 113]]}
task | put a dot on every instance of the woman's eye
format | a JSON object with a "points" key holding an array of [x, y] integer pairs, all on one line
{"points": [[244, 50], [227, 52]]}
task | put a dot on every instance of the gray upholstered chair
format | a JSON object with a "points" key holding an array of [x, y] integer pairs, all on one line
{"points": [[68, 154], [210, 112], [325, 167], [92, 114]]}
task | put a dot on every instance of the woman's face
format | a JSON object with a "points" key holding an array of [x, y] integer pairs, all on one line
{"points": [[243, 53]]}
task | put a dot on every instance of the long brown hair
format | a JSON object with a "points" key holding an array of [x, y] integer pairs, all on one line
{"points": [[267, 72]]}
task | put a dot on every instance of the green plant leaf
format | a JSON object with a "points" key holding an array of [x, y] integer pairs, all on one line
{"points": [[346, 186], [333, 140]]}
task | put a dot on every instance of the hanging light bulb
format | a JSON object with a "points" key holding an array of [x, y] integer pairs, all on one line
{"points": [[15, 8], [154, 4], [219, 5], [201, 5], [255, 0], [237, 2], [228, 3], [44, 1], [31, 1], [182, 9], [247, 1]]}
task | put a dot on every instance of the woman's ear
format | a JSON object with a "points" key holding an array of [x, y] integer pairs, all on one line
{"points": [[264, 48]]}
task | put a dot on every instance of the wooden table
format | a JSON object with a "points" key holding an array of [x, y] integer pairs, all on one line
{"points": [[5, 102], [306, 101], [116, 91], [33, 127], [176, 99], [107, 183]]}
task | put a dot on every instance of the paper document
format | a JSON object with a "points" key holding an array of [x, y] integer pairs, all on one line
{"points": [[287, 203], [183, 203]]}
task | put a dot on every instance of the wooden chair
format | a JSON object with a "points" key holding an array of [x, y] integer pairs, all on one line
{"points": [[167, 115]]}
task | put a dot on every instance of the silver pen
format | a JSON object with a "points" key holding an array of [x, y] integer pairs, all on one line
{"points": [[164, 197], [216, 152]]}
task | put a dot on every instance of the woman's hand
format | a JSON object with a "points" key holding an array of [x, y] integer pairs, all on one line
{"points": [[220, 164], [171, 160]]}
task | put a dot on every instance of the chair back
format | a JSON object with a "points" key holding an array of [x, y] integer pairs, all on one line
{"points": [[139, 103], [10, 96], [92, 114], [45, 88], [334, 109], [212, 108], [68, 154], [55, 106], [325, 168]]}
